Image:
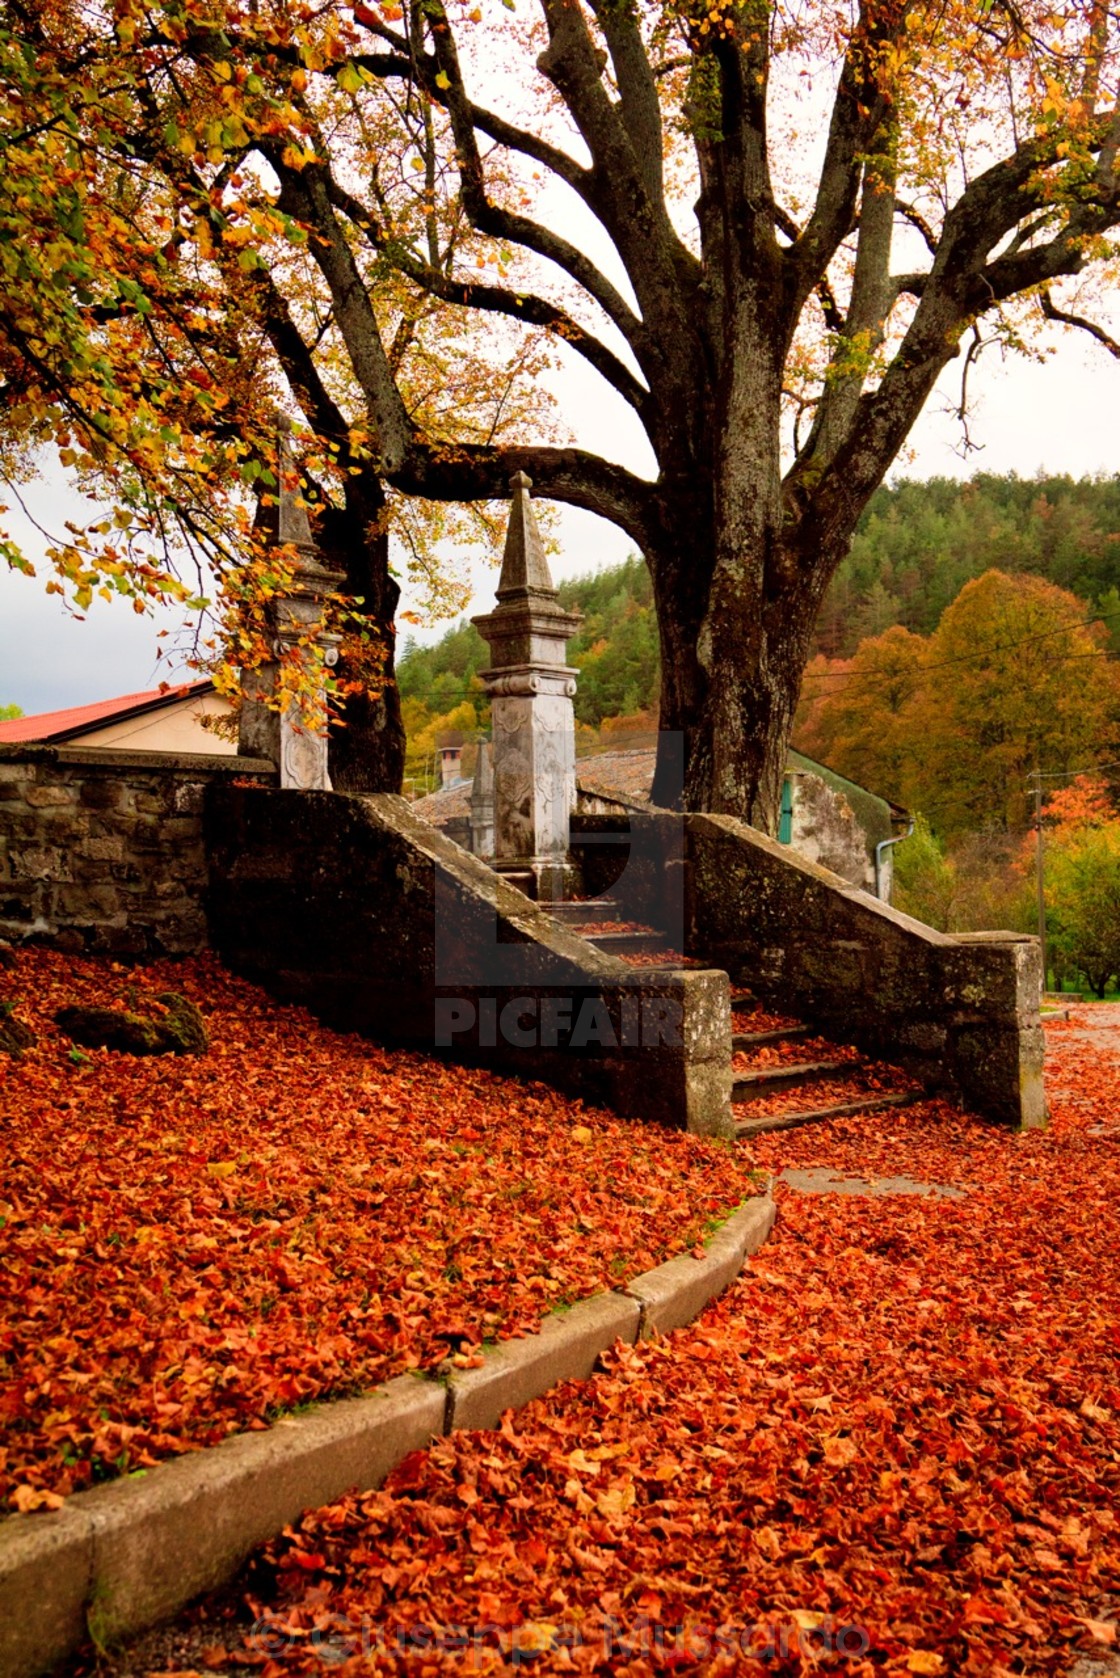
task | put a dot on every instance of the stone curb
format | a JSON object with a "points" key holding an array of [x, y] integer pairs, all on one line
{"points": [[565, 1348], [676, 1292], [119, 1558]]}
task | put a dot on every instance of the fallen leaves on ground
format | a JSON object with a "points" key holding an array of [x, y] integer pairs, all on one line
{"points": [[865, 1082], [191, 1245], [599, 929], [895, 1443], [750, 1019], [656, 958], [796, 1052]]}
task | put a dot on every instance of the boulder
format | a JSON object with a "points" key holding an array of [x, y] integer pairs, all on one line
{"points": [[178, 1031], [14, 1035]]}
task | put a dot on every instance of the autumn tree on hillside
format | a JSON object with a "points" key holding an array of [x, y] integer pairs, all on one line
{"points": [[855, 713], [1016, 678], [1016, 681], [775, 313], [1082, 879]]}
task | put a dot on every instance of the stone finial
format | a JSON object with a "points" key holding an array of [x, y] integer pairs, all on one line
{"points": [[282, 515], [524, 565], [484, 769], [290, 733]]}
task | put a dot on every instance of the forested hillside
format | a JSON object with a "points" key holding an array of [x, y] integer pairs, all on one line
{"points": [[917, 546], [919, 543]]}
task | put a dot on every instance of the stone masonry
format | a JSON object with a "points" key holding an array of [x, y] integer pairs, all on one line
{"points": [[102, 850], [531, 686]]}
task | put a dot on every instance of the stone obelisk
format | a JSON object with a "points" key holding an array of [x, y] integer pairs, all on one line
{"points": [[294, 737], [531, 687], [482, 802]]}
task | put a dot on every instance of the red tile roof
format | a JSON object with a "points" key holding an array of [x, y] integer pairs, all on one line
{"points": [[64, 725]]}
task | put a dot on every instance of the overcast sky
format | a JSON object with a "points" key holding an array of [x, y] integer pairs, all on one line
{"points": [[1060, 416]]}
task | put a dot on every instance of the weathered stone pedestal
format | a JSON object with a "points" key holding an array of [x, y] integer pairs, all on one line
{"points": [[291, 735], [531, 687]]}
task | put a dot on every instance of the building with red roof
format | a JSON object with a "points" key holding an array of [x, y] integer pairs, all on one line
{"points": [[178, 718]]}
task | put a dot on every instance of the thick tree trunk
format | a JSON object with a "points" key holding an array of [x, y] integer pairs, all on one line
{"points": [[367, 743], [736, 604]]}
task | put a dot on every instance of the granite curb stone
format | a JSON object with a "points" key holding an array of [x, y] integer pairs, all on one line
{"points": [[231, 1498], [676, 1292], [565, 1348], [46, 1565]]}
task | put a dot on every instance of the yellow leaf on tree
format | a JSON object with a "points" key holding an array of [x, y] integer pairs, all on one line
{"points": [[925, 1661]]}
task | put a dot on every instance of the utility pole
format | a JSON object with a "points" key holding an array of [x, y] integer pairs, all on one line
{"points": [[1037, 779]]}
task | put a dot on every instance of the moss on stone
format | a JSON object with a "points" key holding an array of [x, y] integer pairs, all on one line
{"points": [[179, 1031]]}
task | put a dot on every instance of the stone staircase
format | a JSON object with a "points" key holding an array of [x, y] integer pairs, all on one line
{"points": [[784, 1072]]}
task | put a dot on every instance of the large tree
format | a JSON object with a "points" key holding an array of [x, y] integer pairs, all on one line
{"points": [[809, 208], [159, 312]]}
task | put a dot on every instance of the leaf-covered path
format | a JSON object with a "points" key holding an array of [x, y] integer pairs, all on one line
{"points": [[188, 1245], [895, 1439]]}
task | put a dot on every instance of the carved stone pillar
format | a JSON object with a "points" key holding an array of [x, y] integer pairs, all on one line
{"points": [[531, 687], [294, 737]]}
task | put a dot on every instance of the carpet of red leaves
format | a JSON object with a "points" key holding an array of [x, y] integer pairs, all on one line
{"points": [[794, 1053], [747, 1018], [190, 1244], [897, 1436]]}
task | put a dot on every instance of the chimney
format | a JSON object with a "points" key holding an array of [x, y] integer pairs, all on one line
{"points": [[450, 765]]}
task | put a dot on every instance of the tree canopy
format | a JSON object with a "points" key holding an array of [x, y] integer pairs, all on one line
{"points": [[246, 202], [1016, 679]]}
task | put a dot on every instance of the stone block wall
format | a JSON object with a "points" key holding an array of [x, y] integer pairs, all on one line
{"points": [[962, 1011], [102, 850], [357, 908]]}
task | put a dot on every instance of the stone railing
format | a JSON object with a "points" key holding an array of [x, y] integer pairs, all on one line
{"points": [[961, 1011], [360, 910]]}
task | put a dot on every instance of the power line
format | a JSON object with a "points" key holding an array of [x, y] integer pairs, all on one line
{"points": [[860, 678], [1069, 774]]}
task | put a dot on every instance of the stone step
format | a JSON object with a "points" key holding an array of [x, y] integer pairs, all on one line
{"points": [[630, 943], [817, 1115], [523, 879], [770, 1078], [759, 1039], [574, 913]]}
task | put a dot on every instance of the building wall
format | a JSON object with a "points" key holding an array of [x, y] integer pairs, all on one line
{"points": [[825, 830], [173, 728], [102, 851]]}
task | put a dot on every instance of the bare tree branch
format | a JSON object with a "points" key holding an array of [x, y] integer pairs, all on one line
{"points": [[474, 472], [521, 306], [1052, 312]]}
